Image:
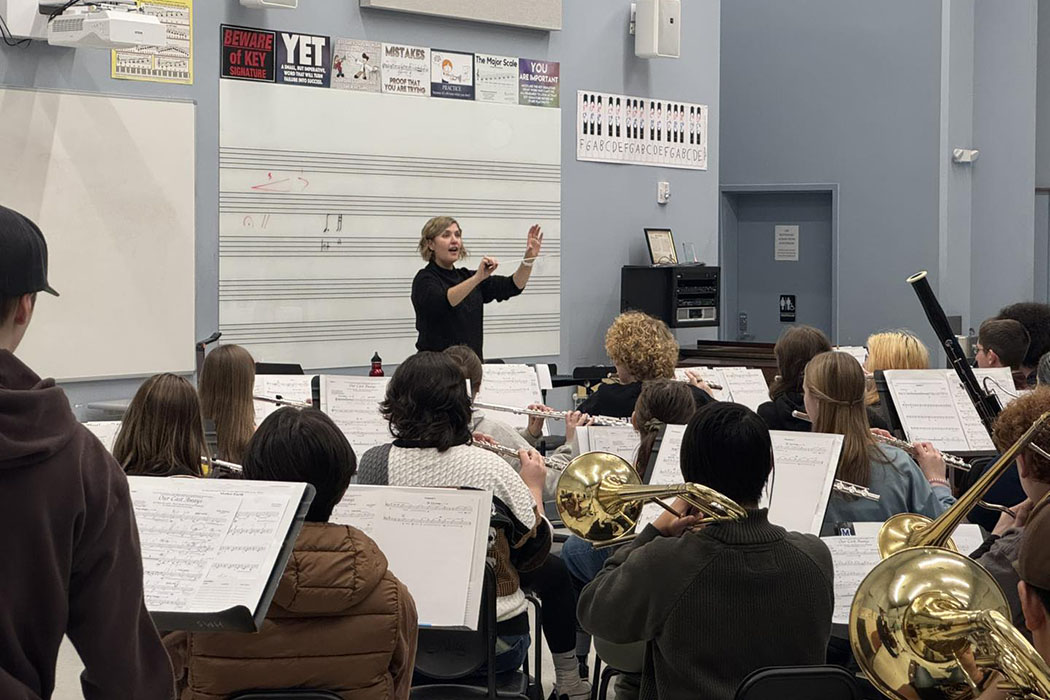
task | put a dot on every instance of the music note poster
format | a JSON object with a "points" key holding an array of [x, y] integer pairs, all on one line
{"points": [[435, 541], [169, 64], [496, 79], [356, 65], [406, 70]]}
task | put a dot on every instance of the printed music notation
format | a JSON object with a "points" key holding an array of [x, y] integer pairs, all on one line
{"points": [[208, 546], [353, 403], [510, 385], [743, 385], [805, 465], [435, 541], [291, 387], [620, 440], [105, 430], [934, 407], [666, 470]]}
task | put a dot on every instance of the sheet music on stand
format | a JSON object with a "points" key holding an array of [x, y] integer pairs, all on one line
{"points": [[435, 541], [858, 352], [293, 387], [854, 557], [798, 490], [743, 385], [800, 487], [934, 407], [620, 440], [105, 430], [213, 551], [353, 403], [998, 381], [510, 385]]}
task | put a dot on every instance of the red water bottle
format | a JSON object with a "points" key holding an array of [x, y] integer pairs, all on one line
{"points": [[377, 366]]}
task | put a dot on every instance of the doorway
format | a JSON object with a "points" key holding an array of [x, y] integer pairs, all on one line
{"points": [[778, 245]]}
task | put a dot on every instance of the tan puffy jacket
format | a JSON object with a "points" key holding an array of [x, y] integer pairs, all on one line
{"points": [[339, 621]]}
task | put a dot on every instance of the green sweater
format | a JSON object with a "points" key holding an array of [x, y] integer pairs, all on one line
{"points": [[714, 605]]}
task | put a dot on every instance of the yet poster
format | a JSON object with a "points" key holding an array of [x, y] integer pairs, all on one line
{"points": [[304, 59], [355, 65], [452, 74], [496, 79], [406, 70], [540, 83]]}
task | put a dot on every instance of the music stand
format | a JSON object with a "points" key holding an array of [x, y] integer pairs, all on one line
{"points": [[278, 368]]}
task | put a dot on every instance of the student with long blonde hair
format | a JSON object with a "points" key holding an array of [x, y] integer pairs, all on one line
{"points": [[162, 433], [834, 398], [227, 383], [897, 349]]}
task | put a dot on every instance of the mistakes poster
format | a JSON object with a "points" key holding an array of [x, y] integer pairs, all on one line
{"points": [[406, 70]]}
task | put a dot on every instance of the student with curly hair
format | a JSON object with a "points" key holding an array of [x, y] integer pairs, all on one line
{"points": [[429, 412], [1035, 318], [641, 347]]}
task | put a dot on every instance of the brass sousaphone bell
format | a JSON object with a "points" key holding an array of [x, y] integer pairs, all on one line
{"points": [[600, 497]]}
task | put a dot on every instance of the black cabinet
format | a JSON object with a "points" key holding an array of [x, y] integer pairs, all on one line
{"points": [[682, 296]]}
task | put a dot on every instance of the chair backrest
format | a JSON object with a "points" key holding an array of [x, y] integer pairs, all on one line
{"points": [[286, 695], [799, 683], [445, 654]]}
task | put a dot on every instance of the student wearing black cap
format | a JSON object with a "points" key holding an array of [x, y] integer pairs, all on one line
{"points": [[71, 558]]}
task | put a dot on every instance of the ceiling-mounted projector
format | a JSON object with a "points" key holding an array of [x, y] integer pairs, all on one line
{"points": [[271, 4], [103, 27]]}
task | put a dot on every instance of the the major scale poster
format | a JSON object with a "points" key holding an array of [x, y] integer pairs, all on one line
{"points": [[614, 128]]}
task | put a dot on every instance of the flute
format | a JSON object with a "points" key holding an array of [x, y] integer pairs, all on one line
{"points": [[949, 460], [501, 450], [556, 415], [849, 489], [221, 465], [283, 402]]}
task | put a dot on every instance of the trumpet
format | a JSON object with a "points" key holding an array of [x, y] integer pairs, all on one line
{"points": [[556, 415], [930, 623], [599, 497], [906, 530], [950, 461], [283, 402]]}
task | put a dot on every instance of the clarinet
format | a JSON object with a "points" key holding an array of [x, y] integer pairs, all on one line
{"points": [[987, 405]]}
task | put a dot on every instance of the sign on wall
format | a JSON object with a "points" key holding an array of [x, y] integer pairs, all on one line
{"points": [[614, 128]]}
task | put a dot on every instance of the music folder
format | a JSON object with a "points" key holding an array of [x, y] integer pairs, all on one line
{"points": [[213, 551]]}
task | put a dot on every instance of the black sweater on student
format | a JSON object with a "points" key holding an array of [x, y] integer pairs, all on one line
{"points": [[714, 605], [441, 325], [617, 400], [777, 414]]}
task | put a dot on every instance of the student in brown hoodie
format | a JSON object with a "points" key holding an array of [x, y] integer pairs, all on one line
{"points": [[68, 539], [340, 620]]}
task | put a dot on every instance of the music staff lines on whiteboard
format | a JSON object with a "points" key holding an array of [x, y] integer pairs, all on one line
{"points": [[367, 287], [366, 164], [364, 329], [270, 198], [372, 246]]}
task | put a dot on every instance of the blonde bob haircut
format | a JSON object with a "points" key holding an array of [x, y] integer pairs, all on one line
{"points": [[431, 230], [898, 349], [643, 345]]}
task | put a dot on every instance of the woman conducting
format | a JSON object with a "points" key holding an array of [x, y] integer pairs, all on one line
{"points": [[448, 300]]}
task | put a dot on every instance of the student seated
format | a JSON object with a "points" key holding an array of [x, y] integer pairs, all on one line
{"points": [[162, 433], [1035, 318], [340, 620], [430, 417], [1003, 343], [796, 346], [714, 604], [1043, 372], [890, 350], [1033, 569], [72, 564], [999, 551], [641, 347], [834, 398], [227, 384]]}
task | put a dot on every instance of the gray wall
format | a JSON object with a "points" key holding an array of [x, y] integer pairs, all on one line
{"points": [[827, 91], [604, 207], [1042, 161], [873, 97]]}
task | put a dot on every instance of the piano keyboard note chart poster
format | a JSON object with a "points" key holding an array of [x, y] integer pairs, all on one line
{"points": [[171, 64], [640, 131]]}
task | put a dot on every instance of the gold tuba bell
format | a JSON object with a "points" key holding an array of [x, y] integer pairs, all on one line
{"points": [[600, 497], [930, 623]]}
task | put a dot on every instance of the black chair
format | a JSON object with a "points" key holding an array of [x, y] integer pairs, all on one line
{"points": [[448, 662], [799, 683], [286, 695]]}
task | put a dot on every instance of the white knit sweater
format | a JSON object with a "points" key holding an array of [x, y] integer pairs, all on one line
{"points": [[465, 465]]}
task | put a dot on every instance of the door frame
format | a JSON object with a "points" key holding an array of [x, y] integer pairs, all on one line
{"points": [[728, 252]]}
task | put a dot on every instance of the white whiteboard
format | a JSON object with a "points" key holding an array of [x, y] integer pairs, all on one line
{"points": [[110, 181], [322, 197]]}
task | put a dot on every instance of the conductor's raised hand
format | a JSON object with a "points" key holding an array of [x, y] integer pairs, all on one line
{"points": [[535, 242], [486, 267]]}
